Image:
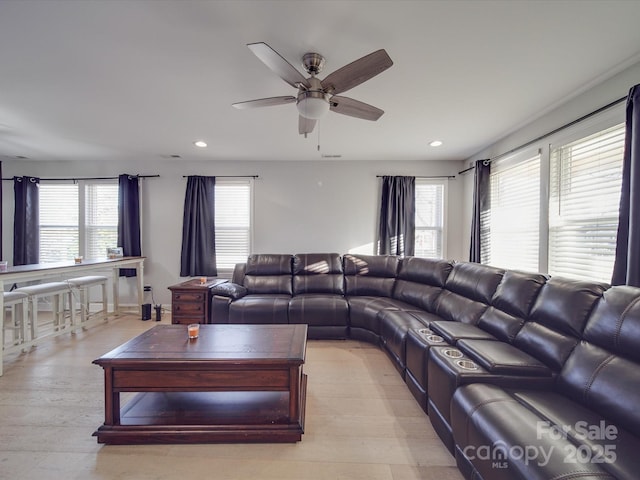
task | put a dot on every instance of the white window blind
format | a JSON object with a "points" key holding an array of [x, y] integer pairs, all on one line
{"points": [[233, 200], [59, 232], [514, 218], [101, 219], [585, 182], [77, 219], [429, 223]]}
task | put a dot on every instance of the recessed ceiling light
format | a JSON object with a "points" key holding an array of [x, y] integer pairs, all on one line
{"points": [[200, 144], [435, 143]]}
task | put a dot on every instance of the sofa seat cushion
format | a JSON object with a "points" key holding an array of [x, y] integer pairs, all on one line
{"points": [[363, 310], [566, 439], [319, 309], [394, 327], [454, 331], [503, 358], [263, 308]]}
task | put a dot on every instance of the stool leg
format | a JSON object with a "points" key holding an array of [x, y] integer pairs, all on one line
{"points": [[34, 317], [23, 308], [104, 299]]}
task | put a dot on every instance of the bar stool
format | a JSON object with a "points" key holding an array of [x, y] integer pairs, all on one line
{"points": [[59, 292], [18, 302], [83, 285]]}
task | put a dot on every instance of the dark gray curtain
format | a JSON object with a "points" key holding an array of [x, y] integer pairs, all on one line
{"points": [[626, 269], [481, 209], [26, 221], [396, 232], [198, 257], [129, 219]]}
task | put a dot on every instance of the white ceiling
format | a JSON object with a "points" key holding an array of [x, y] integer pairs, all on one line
{"points": [[129, 79]]}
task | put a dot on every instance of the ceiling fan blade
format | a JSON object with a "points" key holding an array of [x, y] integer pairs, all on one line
{"points": [[354, 108], [305, 125], [357, 72], [264, 102], [278, 64]]}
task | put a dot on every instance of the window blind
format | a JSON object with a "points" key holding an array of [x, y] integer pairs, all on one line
{"points": [[514, 218], [429, 223], [101, 219], [58, 222], [232, 221], [585, 182]]}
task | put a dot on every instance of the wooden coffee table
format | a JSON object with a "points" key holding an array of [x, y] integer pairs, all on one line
{"points": [[234, 383]]}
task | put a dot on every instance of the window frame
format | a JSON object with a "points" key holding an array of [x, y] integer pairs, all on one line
{"points": [[444, 183], [82, 226], [223, 271]]}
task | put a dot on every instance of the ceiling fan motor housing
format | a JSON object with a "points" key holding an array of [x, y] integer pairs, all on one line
{"points": [[313, 63]]}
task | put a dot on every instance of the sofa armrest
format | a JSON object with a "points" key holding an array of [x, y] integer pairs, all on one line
{"points": [[503, 358], [229, 290]]}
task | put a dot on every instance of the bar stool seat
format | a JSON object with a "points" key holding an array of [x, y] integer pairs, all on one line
{"points": [[59, 292], [19, 304], [82, 285]]}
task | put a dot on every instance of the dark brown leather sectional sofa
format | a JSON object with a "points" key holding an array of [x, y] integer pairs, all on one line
{"points": [[523, 376]]}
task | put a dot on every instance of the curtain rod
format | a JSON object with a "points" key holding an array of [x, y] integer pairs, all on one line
{"points": [[552, 132], [224, 176], [84, 178], [418, 176]]}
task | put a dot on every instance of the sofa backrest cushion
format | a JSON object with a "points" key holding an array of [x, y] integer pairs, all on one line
{"points": [[420, 281], [317, 273], [373, 275], [468, 291], [603, 372], [511, 304], [557, 319], [268, 273]]}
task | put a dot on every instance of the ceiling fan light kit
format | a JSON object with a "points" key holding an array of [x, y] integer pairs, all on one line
{"points": [[316, 97]]}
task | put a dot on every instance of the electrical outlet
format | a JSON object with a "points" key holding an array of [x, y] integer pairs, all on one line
{"points": [[147, 288]]}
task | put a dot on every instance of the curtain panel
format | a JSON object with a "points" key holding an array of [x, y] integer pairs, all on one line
{"points": [[26, 221], [626, 269], [396, 232], [129, 219], [198, 256], [481, 209]]}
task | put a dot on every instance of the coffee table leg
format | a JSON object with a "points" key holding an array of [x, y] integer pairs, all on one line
{"points": [[111, 400], [294, 394]]}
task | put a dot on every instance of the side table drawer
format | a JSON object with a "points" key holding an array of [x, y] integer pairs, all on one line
{"points": [[188, 309], [188, 297]]}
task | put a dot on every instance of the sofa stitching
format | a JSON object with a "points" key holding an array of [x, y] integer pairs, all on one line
{"points": [[592, 379], [623, 316]]}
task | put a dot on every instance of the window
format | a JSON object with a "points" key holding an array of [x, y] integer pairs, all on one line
{"points": [[557, 212], [62, 235], [233, 220], [514, 218], [585, 183], [430, 215]]}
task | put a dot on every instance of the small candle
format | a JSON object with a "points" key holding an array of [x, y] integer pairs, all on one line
{"points": [[78, 259], [203, 280], [193, 330]]}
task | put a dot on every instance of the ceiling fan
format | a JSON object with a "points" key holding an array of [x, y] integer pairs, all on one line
{"points": [[316, 97]]}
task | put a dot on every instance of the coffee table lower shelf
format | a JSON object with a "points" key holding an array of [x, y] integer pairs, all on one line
{"points": [[206, 417]]}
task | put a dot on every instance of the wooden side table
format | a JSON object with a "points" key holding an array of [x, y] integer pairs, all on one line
{"points": [[190, 301]]}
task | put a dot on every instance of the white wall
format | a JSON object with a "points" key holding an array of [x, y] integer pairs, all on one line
{"points": [[590, 100], [323, 206]]}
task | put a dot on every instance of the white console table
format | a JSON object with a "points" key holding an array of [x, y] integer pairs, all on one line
{"points": [[44, 271]]}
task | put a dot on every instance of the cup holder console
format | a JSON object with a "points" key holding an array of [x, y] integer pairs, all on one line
{"points": [[435, 338], [452, 353], [425, 331], [466, 364]]}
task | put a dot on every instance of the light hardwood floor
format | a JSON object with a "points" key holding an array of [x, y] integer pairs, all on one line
{"points": [[361, 421]]}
